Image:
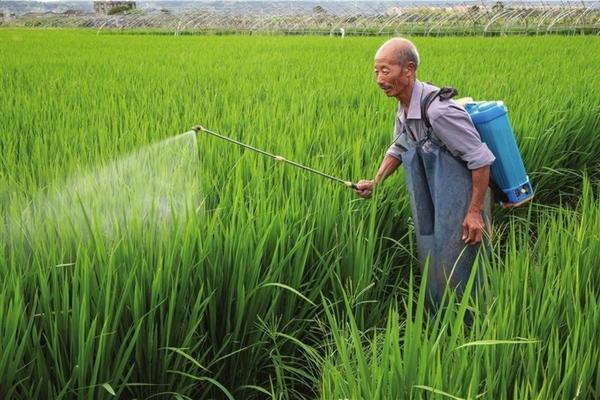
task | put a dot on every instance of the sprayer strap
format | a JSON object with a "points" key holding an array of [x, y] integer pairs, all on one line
{"points": [[445, 93]]}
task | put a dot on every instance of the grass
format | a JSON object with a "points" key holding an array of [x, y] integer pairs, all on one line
{"points": [[534, 338], [279, 284]]}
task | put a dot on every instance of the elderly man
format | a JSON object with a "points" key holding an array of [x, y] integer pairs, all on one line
{"points": [[446, 165]]}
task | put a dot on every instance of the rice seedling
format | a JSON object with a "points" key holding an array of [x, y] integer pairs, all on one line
{"points": [[266, 282]]}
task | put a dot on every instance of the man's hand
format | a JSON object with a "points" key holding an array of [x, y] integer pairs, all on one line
{"points": [[473, 227], [365, 188], [388, 165]]}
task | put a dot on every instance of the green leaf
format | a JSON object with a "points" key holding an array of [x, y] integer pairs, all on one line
{"points": [[492, 342], [109, 388]]}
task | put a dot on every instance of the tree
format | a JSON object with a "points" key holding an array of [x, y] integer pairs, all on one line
{"points": [[119, 10], [319, 10]]}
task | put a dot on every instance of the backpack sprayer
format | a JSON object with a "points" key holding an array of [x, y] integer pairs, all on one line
{"points": [[509, 180], [509, 176], [200, 128]]}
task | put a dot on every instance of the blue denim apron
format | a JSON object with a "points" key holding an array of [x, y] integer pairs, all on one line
{"points": [[439, 186]]}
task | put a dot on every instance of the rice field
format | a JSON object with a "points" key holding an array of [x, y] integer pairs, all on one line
{"points": [[141, 262]]}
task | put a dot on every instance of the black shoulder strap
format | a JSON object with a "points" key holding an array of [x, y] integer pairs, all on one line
{"points": [[445, 93]]}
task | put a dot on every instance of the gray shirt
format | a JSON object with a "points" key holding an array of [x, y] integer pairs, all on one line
{"points": [[451, 125]]}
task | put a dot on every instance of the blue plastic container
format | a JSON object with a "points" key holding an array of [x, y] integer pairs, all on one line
{"points": [[508, 171]]}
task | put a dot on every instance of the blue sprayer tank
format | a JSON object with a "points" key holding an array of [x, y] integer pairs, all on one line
{"points": [[508, 171]]}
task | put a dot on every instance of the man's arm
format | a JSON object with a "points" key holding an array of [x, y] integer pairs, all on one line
{"points": [[473, 225], [481, 179], [387, 167]]}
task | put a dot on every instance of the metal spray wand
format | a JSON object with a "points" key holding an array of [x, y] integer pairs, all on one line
{"points": [[200, 128]]}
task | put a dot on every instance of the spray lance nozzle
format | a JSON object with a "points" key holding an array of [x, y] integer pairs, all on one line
{"points": [[200, 128]]}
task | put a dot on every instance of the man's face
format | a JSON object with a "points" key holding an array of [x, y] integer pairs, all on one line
{"points": [[390, 76]]}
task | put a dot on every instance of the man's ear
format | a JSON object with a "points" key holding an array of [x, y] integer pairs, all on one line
{"points": [[410, 68]]}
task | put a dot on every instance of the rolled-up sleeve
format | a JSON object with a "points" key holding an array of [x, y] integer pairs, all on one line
{"points": [[396, 150], [453, 126]]}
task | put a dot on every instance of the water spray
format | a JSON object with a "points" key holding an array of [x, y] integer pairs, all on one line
{"points": [[200, 128]]}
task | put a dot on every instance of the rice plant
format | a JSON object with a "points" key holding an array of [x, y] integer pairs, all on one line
{"points": [[260, 281]]}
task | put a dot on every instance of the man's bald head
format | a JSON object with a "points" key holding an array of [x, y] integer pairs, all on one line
{"points": [[403, 51], [395, 68]]}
